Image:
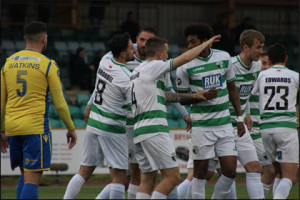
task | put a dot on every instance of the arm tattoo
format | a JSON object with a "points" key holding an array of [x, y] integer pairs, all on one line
{"points": [[176, 97]]}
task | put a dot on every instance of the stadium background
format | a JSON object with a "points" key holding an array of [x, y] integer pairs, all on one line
{"points": [[71, 25]]}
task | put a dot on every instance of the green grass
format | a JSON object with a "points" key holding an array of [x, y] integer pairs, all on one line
{"points": [[90, 192]]}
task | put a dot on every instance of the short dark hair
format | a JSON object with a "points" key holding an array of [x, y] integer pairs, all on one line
{"points": [[247, 37], [34, 31], [148, 30], [277, 53], [154, 45], [118, 43], [202, 30]]}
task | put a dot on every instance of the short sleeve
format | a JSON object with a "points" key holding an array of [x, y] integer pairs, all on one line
{"points": [[182, 80], [168, 81], [255, 88], [160, 67], [53, 76], [230, 75]]}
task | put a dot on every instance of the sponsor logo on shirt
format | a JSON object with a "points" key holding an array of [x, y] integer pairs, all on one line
{"points": [[245, 90], [212, 81], [26, 58]]}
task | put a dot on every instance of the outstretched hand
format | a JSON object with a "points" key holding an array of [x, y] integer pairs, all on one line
{"points": [[214, 39]]}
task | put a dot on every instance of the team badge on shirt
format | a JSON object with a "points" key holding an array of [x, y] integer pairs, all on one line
{"points": [[174, 156], [265, 156], [195, 150], [220, 65], [255, 76], [212, 81], [130, 153], [245, 90]]}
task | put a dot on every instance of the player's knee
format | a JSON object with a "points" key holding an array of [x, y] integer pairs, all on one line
{"points": [[269, 171], [200, 173], [229, 173], [135, 179], [209, 175], [253, 167], [175, 180]]}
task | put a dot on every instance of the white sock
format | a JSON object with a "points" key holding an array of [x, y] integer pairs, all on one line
{"points": [[132, 190], [266, 189], [222, 187], [283, 189], [104, 194], [276, 182], [74, 187], [254, 186], [117, 191], [232, 192], [158, 195], [189, 192], [173, 194], [183, 188], [141, 195], [198, 188]]}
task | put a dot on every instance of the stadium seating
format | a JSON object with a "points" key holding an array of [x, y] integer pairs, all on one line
{"points": [[54, 123], [82, 109], [173, 123], [176, 114], [79, 123], [98, 45], [8, 45], [173, 50], [72, 46], [82, 99], [20, 45], [75, 112], [181, 123]]}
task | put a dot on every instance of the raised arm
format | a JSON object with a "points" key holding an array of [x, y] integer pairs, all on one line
{"points": [[194, 52]]}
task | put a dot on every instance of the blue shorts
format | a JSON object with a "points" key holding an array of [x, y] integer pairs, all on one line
{"points": [[31, 152]]}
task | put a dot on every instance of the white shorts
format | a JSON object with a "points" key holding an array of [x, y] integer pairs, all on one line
{"points": [[131, 156], [208, 144], [213, 163], [156, 153], [245, 146], [112, 147], [261, 152], [281, 147]]}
